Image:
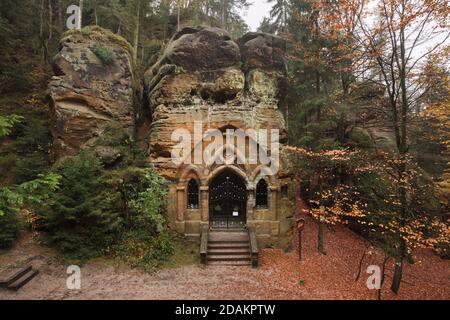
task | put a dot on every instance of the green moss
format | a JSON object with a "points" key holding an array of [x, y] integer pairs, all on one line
{"points": [[105, 54], [102, 35]]}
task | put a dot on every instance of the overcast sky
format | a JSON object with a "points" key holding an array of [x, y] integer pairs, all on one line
{"points": [[256, 12]]}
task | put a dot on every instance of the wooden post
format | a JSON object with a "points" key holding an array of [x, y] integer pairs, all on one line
{"points": [[300, 225]]}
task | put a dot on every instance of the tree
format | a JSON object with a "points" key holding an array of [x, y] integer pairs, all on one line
{"points": [[80, 17], [324, 61], [279, 14], [409, 24], [360, 190], [139, 13], [6, 123], [13, 198]]}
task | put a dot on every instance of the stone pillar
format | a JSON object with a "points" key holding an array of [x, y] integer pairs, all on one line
{"points": [[273, 198], [204, 203], [181, 203], [250, 203]]}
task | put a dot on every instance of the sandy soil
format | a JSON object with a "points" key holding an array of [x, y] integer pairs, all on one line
{"points": [[280, 275]]}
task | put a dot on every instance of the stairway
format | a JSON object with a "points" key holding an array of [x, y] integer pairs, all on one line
{"points": [[18, 278], [231, 248], [228, 248]]}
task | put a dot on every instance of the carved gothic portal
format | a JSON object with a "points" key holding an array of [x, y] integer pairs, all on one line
{"points": [[227, 201]]}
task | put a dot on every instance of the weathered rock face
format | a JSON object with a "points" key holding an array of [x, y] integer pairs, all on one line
{"points": [[92, 86], [204, 80], [202, 50], [204, 75], [262, 50]]}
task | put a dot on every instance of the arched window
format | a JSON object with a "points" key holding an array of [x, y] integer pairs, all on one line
{"points": [[261, 194], [193, 195]]}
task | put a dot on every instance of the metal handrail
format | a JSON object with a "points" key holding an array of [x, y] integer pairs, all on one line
{"points": [[227, 222]]}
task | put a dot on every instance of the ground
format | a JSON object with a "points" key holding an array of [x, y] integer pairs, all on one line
{"points": [[280, 275]]}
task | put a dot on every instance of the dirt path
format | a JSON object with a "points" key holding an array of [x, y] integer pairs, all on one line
{"points": [[280, 276]]}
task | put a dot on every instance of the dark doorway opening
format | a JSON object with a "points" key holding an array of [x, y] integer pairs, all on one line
{"points": [[227, 201]]}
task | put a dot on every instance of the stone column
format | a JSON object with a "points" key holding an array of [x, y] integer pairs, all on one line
{"points": [[181, 204], [204, 203], [250, 203], [273, 205]]}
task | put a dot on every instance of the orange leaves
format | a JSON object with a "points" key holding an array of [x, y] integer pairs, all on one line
{"points": [[332, 155]]}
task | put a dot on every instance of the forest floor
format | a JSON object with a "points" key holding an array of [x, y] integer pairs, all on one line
{"points": [[280, 275]]}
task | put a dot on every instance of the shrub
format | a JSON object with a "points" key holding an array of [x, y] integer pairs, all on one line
{"points": [[119, 212], [122, 147], [145, 241], [106, 55], [9, 227], [26, 155], [14, 197], [143, 250], [77, 216]]}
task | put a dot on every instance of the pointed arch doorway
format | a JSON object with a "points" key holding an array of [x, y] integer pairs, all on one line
{"points": [[227, 201]]}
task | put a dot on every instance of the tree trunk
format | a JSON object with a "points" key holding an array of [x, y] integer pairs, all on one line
{"points": [[42, 38], [383, 276], [50, 20], [320, 236], [225, 14], [398, 269], [402, 149], [136, 31], [60, 17], [80, 17], [95, 13], [178, 15]]}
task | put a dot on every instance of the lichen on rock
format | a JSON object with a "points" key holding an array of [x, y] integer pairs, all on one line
{"points": [[86, 92]]}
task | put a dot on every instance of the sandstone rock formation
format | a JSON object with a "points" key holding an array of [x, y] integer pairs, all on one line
{"points": [[92, 85], [204, 75]]}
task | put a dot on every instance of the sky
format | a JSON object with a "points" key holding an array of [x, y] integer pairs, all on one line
{"points": [[255, 13], [260, 9]]}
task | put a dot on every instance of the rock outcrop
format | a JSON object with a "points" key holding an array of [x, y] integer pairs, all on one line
{"points": [[92, 85], [203, 78], [204, 75]]}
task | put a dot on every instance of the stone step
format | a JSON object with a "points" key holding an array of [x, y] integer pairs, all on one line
{"points": [[228, 238], [217, 230], [228, 245], [23, 280], [228, 263], [14, 276], [228, 231], [229, 257], [227, 251], [231, 246]]}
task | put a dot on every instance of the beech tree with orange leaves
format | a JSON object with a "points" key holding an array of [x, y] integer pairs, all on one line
{"points": [[355, 64], [361, 191], [394, 43]]}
